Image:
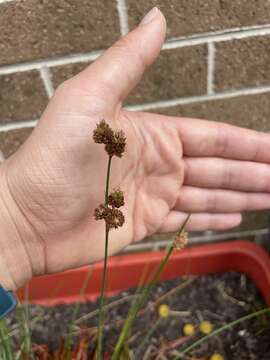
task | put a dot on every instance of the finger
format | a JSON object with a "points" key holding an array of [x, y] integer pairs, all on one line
{"points": [[202, 138], [199, 200], [206, 138], [117, 71], [227, 174], [200, 222]]}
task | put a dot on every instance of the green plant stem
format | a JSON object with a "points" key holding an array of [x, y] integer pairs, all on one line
{"points": [[4, 339], [68, 340], [24, 330], [220, 330], [108, 181], [103, 286], [6, 347], [147, 336], [140, 301]]}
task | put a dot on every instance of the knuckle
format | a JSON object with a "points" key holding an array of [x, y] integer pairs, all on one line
{"points": [[227, 179], [211, 205], [222, 140]]}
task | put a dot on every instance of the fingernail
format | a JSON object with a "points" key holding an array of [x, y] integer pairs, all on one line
{"points": [[150, 16]]}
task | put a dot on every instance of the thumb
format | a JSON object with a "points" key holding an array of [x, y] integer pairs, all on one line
{"points": [[112, 76]]}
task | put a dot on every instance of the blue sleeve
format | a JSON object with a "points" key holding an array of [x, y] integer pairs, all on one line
{"points": [[8, 302]]}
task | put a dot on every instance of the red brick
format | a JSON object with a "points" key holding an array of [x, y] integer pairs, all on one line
{"points": [[22, 96], [188, 17], [176, 73], [242, 63], [65, 72], [251, 111], [10, 141], [35, 29]]}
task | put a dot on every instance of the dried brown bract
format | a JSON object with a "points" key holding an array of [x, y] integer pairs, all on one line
{"points": [[113, 217], [103, 134], [115, 141], [180, 241], [100, 212], [116, 198], [117, 145]]}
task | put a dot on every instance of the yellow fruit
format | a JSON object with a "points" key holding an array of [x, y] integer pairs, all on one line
{"points": [[163, 310], [216, 357], [189, 329], [206, 327]]}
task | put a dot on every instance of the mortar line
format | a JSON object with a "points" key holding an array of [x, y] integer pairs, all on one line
{"points": [[176, 43], [38, 64], [210, 68], [200, 98], [18, 125], [123, 16], [220, 32], [161, 104], [216, 37], [45, 75]]}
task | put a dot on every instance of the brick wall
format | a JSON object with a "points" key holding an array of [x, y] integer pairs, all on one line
{"points": [[215, 62]]}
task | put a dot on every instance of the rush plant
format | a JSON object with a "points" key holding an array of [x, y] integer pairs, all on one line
{"points": [[115, 142]]}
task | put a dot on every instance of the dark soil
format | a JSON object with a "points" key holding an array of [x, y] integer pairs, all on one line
{"points": [[219, 299]]}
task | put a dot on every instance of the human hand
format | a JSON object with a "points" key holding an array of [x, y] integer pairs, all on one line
{"points": [[171, 166]]}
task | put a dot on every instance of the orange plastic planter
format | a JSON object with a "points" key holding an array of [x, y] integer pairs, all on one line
{"points": [[125, 271]]}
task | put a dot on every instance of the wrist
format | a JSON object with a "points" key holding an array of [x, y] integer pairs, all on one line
{"points": [[19, 252]]}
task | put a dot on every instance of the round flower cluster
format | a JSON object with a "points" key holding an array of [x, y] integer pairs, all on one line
{"points": [[114, 141], [116, 198], [113, 217], [180, 240], [110, 213]]}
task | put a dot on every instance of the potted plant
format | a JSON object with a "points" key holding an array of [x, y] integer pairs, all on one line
{"points": [[175, 324]]}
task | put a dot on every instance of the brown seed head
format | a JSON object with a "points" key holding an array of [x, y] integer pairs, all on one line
{"points": [[100, 212], [117, 219], [113, 218], [103, 134], [115, 141], [116, 198], [180, 241], [117, 145]]}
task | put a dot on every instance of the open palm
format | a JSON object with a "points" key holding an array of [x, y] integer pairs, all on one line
{"points": [[171, 166]]}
